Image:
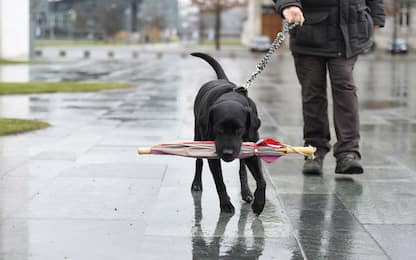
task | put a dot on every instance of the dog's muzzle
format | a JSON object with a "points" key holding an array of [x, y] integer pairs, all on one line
{"points": [[227, 155]]}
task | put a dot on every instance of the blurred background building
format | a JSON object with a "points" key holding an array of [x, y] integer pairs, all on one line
{"points": [[14, 29], [167, 20], [142, 21], [399, 34], [262, 20], [159, 20], [106, 19]]}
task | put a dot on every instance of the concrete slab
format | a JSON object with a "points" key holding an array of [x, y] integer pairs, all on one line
{"points": [[204, 233], [397, 240], [92, 198], [71, 239]]}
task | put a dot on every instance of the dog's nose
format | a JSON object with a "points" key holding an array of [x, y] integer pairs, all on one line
{"points": [[227, 152], [227, 155]]}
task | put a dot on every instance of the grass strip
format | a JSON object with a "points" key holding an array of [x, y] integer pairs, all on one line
{"points": [[7, 88], [226, 42], [10, 126], [13, 62]]}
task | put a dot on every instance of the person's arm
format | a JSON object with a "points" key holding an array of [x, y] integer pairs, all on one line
{"points": [[377, 12], [291, 10]]}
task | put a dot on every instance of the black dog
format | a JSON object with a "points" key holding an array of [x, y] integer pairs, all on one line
{"points": [[224, 113]]}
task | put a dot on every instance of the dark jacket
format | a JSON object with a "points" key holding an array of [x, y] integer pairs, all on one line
{"points": [[334, 28]]}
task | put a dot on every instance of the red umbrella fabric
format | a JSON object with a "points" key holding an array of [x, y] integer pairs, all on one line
{"points": [[267, 149]]}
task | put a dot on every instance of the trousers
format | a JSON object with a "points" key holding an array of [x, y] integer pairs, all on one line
{"points": [[312, 74]]}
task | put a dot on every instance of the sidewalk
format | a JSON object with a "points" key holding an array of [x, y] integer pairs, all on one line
{"points": [[183, 49], [79, 191]]}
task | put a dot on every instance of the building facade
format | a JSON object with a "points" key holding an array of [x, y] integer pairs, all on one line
{"points": [[98, 19], [400, 24], [159, 19], [14, 29], [232, 21], [261, 20]]}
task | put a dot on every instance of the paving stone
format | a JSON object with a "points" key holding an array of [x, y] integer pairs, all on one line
{"points": [[397, 240], [40, 169], [326, 229], [201, 232], [71, 239], [92, 198], [117, 171]]}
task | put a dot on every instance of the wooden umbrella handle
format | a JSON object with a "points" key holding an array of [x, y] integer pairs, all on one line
{"points": [[144, 150], [308, 150]]}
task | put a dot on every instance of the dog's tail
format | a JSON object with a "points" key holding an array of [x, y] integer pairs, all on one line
{"points": [[214, 64]]}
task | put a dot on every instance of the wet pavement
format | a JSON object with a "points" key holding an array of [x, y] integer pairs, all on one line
{"points": [[77, 190]]}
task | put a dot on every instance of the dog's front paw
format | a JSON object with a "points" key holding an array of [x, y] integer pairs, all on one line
{"points": [[196, 187], [258, 206], [247, 196], [227, 208]]}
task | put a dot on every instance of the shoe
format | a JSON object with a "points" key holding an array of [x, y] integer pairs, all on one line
{"points": [[313, 167], [349, 163]]}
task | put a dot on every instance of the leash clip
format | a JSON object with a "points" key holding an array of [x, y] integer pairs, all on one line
{"points": [[241, 90]]}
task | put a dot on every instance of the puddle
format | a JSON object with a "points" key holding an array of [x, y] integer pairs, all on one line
{"points": [[89, 107]]}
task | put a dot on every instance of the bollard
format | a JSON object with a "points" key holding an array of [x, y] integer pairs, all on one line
{"points": [[184, 55], [87, 54], [111, 54], [62, 53], [38, 53], [232, 55], [159, 55], [135, 54]]}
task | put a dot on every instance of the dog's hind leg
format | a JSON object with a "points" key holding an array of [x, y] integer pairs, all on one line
{"points": [[225, 203], [254, 165], [197, 182], [245, 190]]}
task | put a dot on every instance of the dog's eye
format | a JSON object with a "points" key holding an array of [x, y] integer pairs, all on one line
{"points": [[219, 130], [239, 131]]}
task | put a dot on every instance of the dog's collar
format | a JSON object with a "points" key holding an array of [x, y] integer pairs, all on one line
{"points": [[241, 90]]}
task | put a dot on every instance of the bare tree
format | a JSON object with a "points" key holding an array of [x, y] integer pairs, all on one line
{"points": [[216, 7], [109, 16]]}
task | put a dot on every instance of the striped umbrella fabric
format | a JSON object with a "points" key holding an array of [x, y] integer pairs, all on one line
{"points": [[267, 149]]}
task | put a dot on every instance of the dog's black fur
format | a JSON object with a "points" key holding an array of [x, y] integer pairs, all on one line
{"points": [[225, 114]]}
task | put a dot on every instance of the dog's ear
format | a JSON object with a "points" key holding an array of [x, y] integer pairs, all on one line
{"points": [[252, 125], [209, 131]]}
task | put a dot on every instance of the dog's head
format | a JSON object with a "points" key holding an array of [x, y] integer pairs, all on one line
{"points": [[229, 124]]}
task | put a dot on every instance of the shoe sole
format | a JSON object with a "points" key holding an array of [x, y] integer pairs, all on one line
{"points": [[351, 170], [312, 172]]}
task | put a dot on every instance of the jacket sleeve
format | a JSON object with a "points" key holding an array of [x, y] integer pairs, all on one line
{"points": [[282, 4], [377, 11]]}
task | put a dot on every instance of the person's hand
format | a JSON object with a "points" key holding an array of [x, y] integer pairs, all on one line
{"points": [[375, 28], [293, 14]]}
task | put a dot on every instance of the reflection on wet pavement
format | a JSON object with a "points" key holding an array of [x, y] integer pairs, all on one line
{"points": [[195, 228], [212, 246], [82, 175]]}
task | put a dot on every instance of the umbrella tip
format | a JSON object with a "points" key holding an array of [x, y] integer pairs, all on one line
{"points": [[311, 155], [144, 150]]}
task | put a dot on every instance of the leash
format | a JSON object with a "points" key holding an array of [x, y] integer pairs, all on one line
{"points": [[280, 38]]}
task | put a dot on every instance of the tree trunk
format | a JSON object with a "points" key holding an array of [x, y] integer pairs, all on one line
{"points": [[134, 10], [201, 28], [218, 25]]}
